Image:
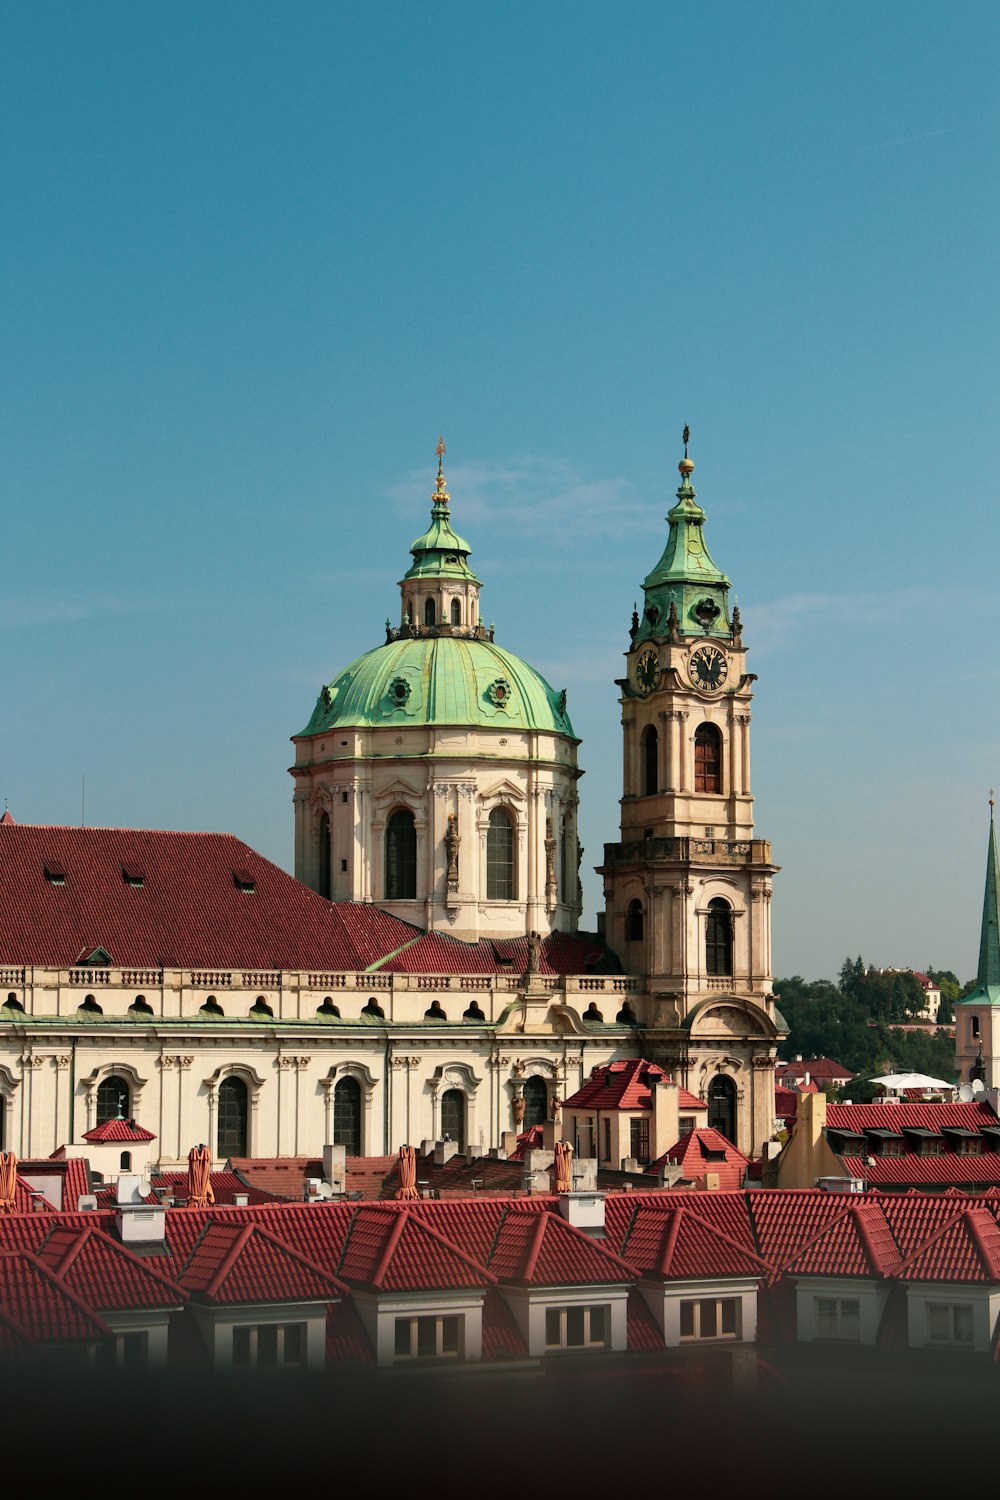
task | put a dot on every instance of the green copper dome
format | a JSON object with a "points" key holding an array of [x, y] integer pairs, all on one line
{"points": [[440, 680]]}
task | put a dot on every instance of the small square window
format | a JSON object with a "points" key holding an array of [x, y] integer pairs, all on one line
{"points": [[343, 866]]}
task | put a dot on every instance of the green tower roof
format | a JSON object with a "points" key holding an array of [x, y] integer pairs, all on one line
{"points": [[686, 586], [441, 680], [440, 552], [987, 989]]}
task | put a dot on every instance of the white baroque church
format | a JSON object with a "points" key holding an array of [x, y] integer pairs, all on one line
{"points": [[423, 977]]}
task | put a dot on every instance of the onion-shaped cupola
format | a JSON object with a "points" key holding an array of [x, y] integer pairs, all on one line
{"points": [[685, 594], [439, 588]]}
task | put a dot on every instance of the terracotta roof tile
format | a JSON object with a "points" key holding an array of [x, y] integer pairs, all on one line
{"points": [[119, 1130], [966, 1248], [677, 1243], [625, 1084], [857, 1243], [104, 1273], [41, 1305], [189, 912], [393, 1249], [698, 1153], [544, 1250]]}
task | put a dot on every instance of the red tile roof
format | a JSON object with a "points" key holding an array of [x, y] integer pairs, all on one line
{"points": [[40, 1305], [702, 1151], [966, 1248], [625, 1084], [857, 1243], [118, 1130], [535, 1249], [914, 1170], [972, 1116], [392, 1250], [439, 953], [822, 1069], [247, 1263], [188, 912], [677, 1243], [104, 1273]]}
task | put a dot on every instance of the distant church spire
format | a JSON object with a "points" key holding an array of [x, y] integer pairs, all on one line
{"points": [[989, 943]]}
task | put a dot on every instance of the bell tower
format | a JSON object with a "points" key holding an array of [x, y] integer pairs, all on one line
{"points": [[688, 886]]}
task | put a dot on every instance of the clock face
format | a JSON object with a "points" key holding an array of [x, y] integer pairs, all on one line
{"points": [[708, 667], [647, 672]]}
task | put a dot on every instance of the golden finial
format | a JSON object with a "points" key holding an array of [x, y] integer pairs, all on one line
{"points": [[685, 466], [441, 492], [440, 450]]}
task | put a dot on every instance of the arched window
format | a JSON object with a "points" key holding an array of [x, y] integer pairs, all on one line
{"points": [[125, 1161], [633, 921], [435, 1012], [429, 612], [323, 873], [500, 883], [233, 1113], [722, 1106], [347, 1115], [536, 1102], [260, 1009], [114, 1099], [719, 937], [453, 1117], [474, 1013], [400, 856], [974, 1026], [650, 761], [456, 612], [212, 1007], [707, 759]]}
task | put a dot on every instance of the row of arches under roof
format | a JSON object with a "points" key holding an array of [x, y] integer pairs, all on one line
{"points": [[707, 760]]}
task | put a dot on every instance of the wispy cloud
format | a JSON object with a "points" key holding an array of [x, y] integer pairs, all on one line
{"points": [[24, 613], [771, 624], [534, 496]]}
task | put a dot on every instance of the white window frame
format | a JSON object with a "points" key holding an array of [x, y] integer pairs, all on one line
{"points": [[840, 1311], [438, 1320], [588, 1342], [951, 1313], [253, 1332], [720, 1336]]}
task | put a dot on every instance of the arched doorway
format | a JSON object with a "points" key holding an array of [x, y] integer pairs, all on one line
{"points": [[722, 1106]]}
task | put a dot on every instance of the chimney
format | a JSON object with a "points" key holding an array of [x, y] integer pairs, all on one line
{"points": [[335, 1167], [584, 1211], [665, 1129], [710, 1182], [140, 1225], [508, 1142], [444, 1151]]}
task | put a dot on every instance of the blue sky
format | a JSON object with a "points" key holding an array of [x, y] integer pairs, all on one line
{"points": [[256, 257]]}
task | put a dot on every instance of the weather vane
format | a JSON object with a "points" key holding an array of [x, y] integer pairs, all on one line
{"points": [[687, 434]]}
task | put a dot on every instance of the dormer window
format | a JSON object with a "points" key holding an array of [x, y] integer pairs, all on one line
{"points": [[244, 881], [54, 872]]}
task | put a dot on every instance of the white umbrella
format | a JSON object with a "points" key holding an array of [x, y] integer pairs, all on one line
{"points": [[912, 1081]]}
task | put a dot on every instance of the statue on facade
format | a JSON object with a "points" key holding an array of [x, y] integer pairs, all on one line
{"points": [[737, 626], [673, 625], [550, 865], [518, 1108], [534, 952], [452, 840]]}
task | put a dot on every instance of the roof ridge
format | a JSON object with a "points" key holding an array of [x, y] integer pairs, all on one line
{"points": [[305, 1260], [239, 1243], [861, 1213], [671, 1231], [450, 1244], [808, 1244], [534, 1249], [931, 1239], [986, 1254], [198, 1240], [67, 1291], [389, 1248]]}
